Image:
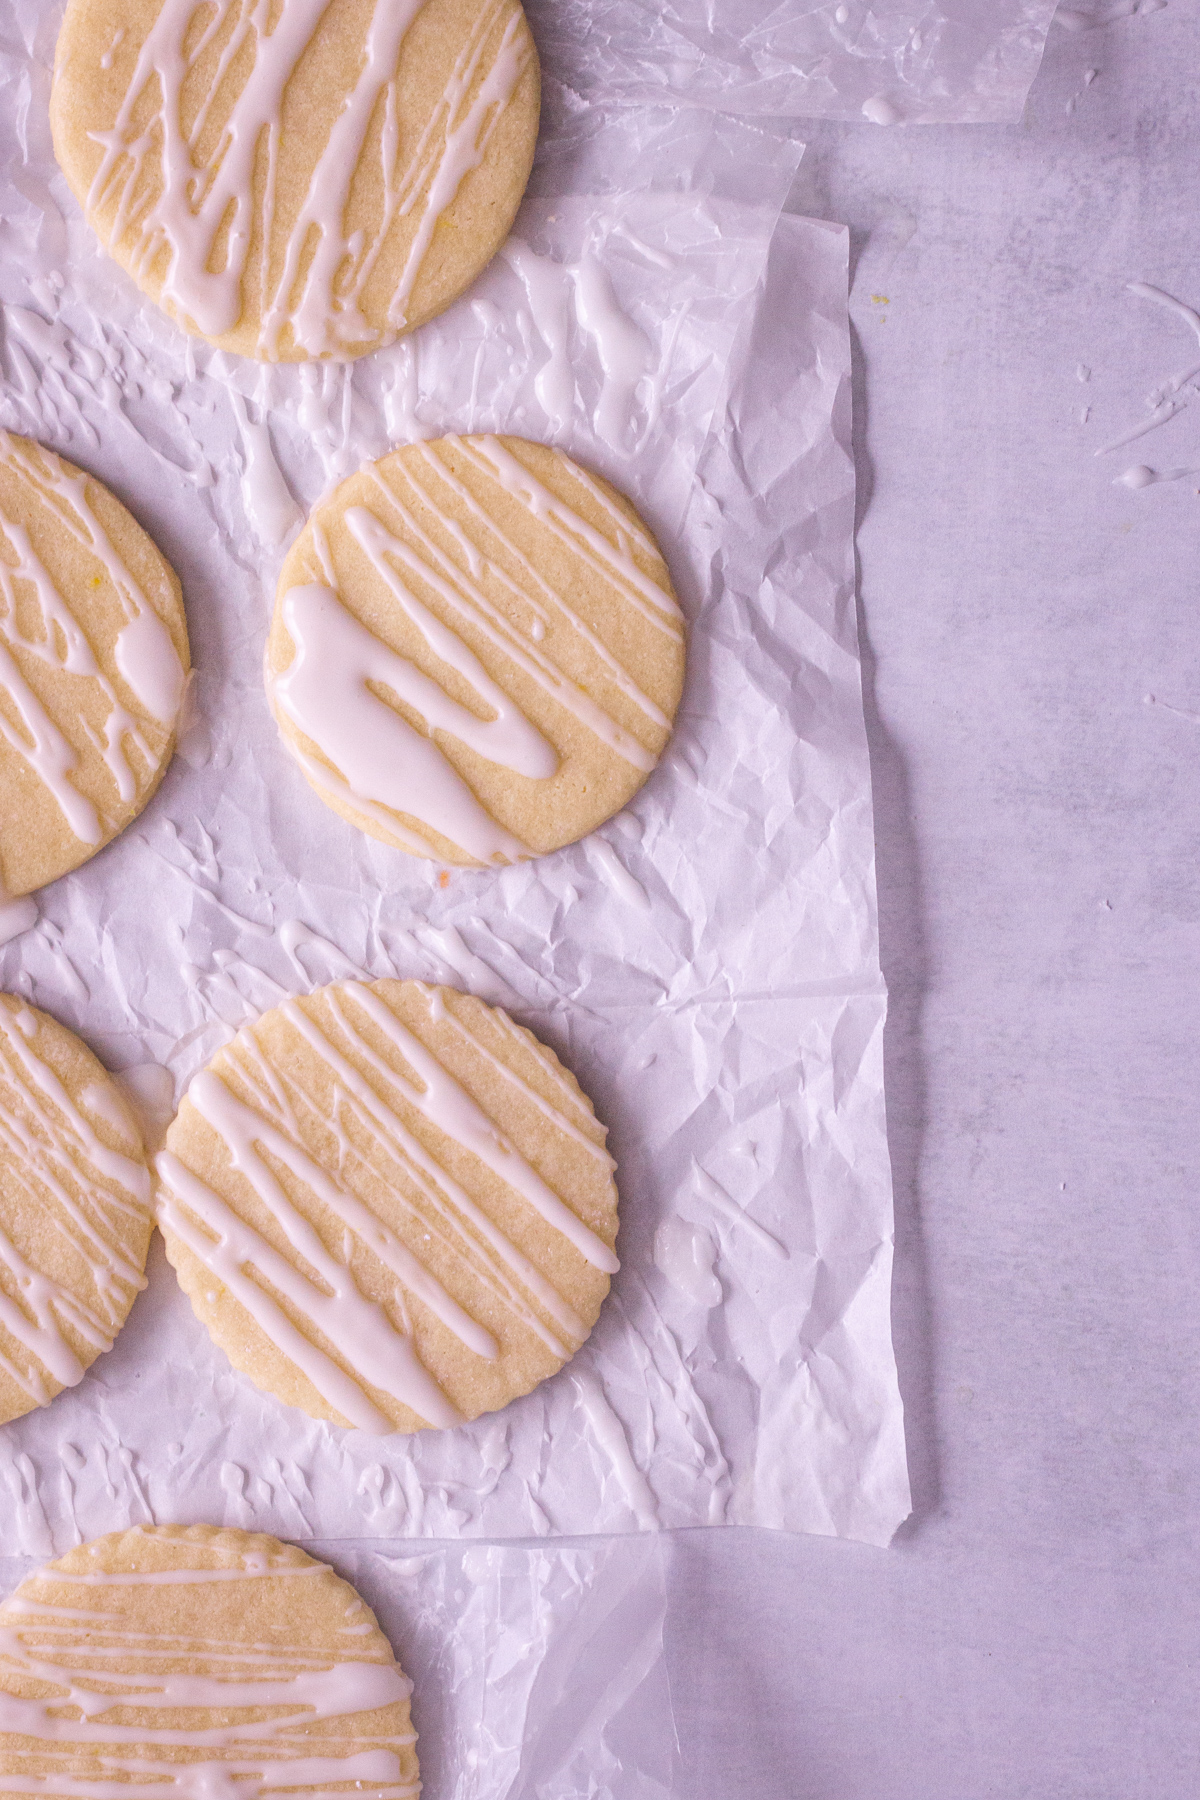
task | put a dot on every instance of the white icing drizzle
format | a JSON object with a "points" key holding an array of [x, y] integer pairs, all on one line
{"points": [[52, 1156], [295, 935], [624, 352], [359, 1330], [610, 1435], [199, 202], [173, 1577], [598, 551], [446, 1202], [145, 655], [627, 359], [323, 318], [239, 1125], [467, 599], [557, 1118], [371, 758], [265, 493], [468, 129], [378, 754], [716, 1196], [542, 278], [370, 1349], [217, 1750], [449, 1106], [619, 675]]}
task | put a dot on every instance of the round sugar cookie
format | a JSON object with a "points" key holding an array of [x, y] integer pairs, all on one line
{"points": [[390, 1206], [183, 1660], [93, 666], [75, 1215], [476, 653], [305, 179]]}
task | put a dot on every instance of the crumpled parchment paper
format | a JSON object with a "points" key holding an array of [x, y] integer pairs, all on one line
{"points": [[706, 964], [916, 62]]}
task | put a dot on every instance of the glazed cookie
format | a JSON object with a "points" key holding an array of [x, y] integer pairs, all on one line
{"points": [[93, 664], [75, 1218], [476, 653], [173, 1660], [298, 180], [390, 1206]]}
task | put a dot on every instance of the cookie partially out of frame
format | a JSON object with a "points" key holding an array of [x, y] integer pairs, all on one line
{"points": [[93, 664], [476, 653], [179, 1660], [75, 1219], [390, 1206], [310, 179]]}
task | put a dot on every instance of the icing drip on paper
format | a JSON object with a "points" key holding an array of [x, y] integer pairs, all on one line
{"points": [[265, 493], [55, 1165], [609, 1433], [310, 278], [624, 352], [632, 373], [544, 282], [371, 1349], [379, 764], [1170, 396], [113, 1655], [624, 885], [145, 655]]}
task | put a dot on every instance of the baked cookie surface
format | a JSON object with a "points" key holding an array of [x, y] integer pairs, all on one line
{"points": [[296, 180], [476, 653], [390, 1205], [75, 1218], [179, 1660], [93, 665]]}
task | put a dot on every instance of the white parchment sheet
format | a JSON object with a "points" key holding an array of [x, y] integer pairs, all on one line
{"points": [[890, 61], [707, 964]]}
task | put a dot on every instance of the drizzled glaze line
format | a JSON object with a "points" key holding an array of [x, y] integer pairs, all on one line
{"points": [[557, 1118], [468, 131], [371, 1350], [61, 1169], [448, 1214], [320, 303], [174, 1577], [448, 1105], [417, 1161], [535, 579], [612, 561], [239, 1125], [378, 755], [145, 655], [467, 599], [48, 1643], [360, 1332], [376, 762]]}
